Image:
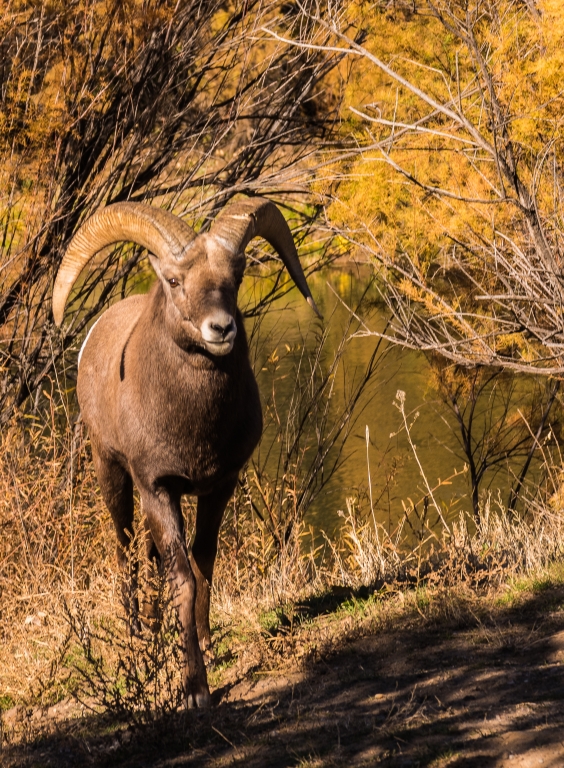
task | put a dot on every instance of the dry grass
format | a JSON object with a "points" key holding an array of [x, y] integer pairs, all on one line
{"points": [[480, 555], [56, 548], [63, 629]]}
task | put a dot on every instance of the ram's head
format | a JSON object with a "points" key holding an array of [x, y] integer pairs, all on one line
{"points": [[200, 274]]}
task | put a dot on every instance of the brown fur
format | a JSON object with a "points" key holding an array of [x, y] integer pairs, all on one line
{"points": [[172, 418]]}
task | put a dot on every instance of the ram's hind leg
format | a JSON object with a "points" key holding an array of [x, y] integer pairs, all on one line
{"points": [[204, 549], [117, 491], [150, 612]]}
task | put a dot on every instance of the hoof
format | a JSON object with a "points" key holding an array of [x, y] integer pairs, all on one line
{"points": [[134, 626], [149, 615], [201, 700], [209, 657]]}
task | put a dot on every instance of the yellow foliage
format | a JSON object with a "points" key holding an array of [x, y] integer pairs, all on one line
{"points": [[434, 189]]}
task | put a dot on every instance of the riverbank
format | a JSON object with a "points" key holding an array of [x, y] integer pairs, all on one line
{"points": [[406, 677], [398, 646]]}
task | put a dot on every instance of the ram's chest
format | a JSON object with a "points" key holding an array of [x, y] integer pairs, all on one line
{"points": [[200, 429]]}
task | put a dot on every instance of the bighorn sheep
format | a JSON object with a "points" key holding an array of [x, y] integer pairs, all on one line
{"points": [[167, 392]]}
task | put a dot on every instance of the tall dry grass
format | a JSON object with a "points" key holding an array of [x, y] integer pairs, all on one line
{"points": [[63, 627], [56, 547]]}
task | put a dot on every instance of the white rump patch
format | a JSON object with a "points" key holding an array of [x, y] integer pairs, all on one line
{"points": [[86, 339]]}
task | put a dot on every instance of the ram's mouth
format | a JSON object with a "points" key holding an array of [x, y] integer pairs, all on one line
{"points": [[218, 333], [219, 348]]}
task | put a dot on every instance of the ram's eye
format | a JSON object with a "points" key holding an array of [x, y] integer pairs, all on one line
{"points": [[173, 282]]}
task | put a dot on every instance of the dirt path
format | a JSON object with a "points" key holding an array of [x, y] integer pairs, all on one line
{"points": [[477, 693]]}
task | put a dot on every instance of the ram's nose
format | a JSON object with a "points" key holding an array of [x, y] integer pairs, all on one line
{"points": [[219, 329]]}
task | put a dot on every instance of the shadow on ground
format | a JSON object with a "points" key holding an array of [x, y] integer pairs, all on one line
{"points": [[473, 694]]}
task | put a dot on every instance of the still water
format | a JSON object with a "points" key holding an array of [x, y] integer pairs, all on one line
{"points": [[291, 329], [282, 344]]}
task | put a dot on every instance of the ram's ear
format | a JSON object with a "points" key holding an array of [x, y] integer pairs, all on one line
{"points": [[156, 264]]}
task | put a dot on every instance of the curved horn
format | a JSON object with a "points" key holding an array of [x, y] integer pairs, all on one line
{"points": [[161, 232], [258, 217]]}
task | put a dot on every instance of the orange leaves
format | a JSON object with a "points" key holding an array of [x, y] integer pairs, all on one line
{"points": [[455, 115]]}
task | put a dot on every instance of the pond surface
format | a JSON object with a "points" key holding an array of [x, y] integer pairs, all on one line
{"points": [[290, 330]]}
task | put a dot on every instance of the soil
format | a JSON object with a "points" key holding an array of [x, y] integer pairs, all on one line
{"points": [[476, 692]]}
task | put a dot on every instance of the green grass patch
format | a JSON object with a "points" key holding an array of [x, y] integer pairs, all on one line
{"points": [[6, 702]]}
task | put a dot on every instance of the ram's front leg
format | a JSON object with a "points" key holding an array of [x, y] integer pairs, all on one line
{"points": [[164, 518], [204, 549]]}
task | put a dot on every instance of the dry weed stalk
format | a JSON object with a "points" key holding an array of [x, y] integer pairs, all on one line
{"points": [[55, 547], [136, 677]]}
